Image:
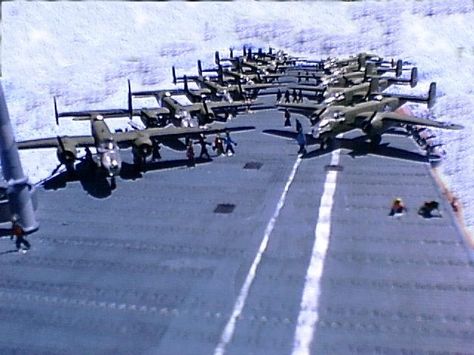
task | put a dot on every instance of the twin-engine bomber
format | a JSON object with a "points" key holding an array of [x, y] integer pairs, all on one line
{"points": [[338, 95]]}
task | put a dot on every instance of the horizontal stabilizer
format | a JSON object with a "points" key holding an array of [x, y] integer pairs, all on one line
{"points": [[87, 115], [430, 100]]}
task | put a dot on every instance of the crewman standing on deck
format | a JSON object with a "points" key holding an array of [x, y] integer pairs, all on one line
{"points": [[398, 207], [18, 232]]}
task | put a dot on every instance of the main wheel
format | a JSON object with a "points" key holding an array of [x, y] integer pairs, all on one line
{"points": [[375, 141]]}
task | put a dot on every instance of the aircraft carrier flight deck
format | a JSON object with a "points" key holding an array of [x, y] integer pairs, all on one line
{"points": [[153, 268], [262, 252]]}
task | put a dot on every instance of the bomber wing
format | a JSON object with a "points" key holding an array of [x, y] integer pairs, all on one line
{"points": [[109, 113], [224, 105], [54, 142], [260, 86], [175, 132], [302, 107], [404, 119], [310, 139]]}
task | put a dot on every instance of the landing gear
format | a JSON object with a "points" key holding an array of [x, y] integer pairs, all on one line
{"points": [[375, 141], [327, 144], [113, 183], [139, 162]]}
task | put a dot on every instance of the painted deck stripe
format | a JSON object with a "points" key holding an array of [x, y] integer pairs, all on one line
{"points": [[309, 313], [229, 329]]}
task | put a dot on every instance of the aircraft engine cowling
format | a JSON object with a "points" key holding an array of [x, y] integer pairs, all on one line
{"points": [[142, 146], [66, 152]]}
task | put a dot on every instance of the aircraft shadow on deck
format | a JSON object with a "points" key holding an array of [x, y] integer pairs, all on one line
{"points": [[98, 185], [357, 146]]}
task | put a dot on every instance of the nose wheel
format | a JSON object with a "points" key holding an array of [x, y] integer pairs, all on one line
{"points": [[327, 144], [375, 141], [113, 183]]}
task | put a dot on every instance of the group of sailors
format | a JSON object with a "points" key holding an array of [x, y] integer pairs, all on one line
{"points": [[217, 147], [297, 96], [426, 139], [428, 209]]}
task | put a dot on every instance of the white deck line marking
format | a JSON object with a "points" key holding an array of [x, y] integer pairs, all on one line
{"points": [[244, 291], [309, 313]]}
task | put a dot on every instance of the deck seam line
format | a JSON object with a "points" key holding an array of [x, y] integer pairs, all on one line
{"points": [[309, 312], [229, 329]]}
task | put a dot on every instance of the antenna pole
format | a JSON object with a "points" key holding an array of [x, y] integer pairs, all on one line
{"points": [[19, 189]]}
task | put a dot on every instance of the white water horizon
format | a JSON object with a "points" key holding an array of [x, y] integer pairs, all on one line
{"points": [[84, 52]]}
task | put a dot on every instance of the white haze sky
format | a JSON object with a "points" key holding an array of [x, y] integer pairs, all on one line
{"points": [[83, 53]]}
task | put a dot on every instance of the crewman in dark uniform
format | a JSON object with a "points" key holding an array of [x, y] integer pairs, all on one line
{"points": [[300, 95], [218, 145], [287, 118], [287, 96], [279, 95], [155, 154], [190, 153], [88, 155], [299, 127], [203, 143], [294, 94], [18, 232], [301, 139], [229, 149]]}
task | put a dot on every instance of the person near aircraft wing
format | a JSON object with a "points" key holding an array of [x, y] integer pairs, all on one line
{"points": [[294, 95], [278, 96], [108, 144], [298, 127], [203, 143], [301, 139], [287, 118], [300, 96], [190, 153], [229, 149], [218, 146]]}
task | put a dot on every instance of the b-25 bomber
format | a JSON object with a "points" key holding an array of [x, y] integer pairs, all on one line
{"points": [[108, 144]]}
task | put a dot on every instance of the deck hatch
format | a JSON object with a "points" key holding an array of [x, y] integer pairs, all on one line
{"points": [[224, 208], [253, 165]]}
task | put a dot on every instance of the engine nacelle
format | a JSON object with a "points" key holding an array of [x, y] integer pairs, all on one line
{"points": [[66, 152], [142, 146]]}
